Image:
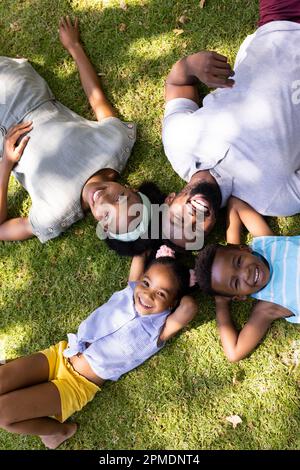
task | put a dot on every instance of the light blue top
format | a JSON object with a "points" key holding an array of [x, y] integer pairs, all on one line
{"points": [[283, 288], [119, 338], [64, 149]]}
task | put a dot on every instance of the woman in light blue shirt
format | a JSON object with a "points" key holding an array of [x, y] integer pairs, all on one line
{"points": [[69, 165], [132, 326]]}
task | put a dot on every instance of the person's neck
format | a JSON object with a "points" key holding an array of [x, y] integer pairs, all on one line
{"points": [[202, 176]]}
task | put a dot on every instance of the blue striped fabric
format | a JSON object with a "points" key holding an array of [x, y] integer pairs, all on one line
{"points": [[283, 256]]}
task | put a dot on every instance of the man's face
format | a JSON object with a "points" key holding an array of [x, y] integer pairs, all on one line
{"points": [[194, 208], [237, 272]]}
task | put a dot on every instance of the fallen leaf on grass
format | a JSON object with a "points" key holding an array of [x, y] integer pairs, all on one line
{"points": [[183, 19], [79, 231], [123, 5], [178, 31], [234, 420], [202, 3], [122, 27], [14, 26]]}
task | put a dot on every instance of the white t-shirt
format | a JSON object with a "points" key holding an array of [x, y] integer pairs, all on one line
{"points": [[247, 136]]}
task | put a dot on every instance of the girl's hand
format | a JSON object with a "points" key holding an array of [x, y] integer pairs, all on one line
{"points": [[68, 33], [13, 152]]}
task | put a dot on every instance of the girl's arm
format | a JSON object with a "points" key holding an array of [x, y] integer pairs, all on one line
{"points": [[238, 345], [70, 39], [137, 267], [184, 313], [239, 213], [18, 228]]}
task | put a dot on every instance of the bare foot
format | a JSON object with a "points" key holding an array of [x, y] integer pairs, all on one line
{"points": [[52, 442]]}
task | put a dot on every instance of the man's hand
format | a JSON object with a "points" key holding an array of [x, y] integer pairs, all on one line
{"points": [[211, 68], [68, 33], [13, 152]]}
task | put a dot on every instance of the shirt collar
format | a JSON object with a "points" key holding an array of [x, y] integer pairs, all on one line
{"points": [[225, 182]]}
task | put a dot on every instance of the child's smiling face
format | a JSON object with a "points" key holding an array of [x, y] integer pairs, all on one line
{"points": [[156, 291], [237, 272]]}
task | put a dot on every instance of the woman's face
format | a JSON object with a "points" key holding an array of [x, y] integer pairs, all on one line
{"points": [[114, 206]]}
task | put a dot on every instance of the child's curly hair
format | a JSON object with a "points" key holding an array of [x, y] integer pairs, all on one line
{"points": [[203, 268]]}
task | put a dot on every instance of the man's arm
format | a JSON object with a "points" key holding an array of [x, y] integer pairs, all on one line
{"points": [[70, 39], [184, 313], [210, 68], [239, 213], [18, 228], [237, 345]]}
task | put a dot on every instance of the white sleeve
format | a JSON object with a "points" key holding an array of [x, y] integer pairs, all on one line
{"points": [[176, 134]]}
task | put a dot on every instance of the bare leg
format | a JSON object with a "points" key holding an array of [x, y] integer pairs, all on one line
{"points": [[23, 372], [27, 411]]}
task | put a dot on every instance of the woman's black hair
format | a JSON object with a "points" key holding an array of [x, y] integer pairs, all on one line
{"points": [[181, 272], [139, 246]]}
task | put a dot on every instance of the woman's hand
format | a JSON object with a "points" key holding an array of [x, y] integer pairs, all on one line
{"points": [[13, 151], [68, 33], [211, 68]]}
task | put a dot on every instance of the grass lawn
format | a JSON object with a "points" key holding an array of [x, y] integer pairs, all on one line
{"points": [[180, 398]]}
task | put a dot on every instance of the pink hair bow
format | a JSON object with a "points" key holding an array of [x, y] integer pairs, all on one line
{"points": [[165, 250]]}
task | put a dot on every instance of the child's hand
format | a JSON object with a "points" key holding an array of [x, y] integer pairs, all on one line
{"points": [[222, 300], [68, 33]]}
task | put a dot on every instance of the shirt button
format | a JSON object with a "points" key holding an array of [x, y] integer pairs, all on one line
{"points": [[127, 149], [50, 229], [37, 232], [63, 224], [130, 126]]}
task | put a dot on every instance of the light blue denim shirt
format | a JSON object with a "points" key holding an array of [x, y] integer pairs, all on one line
{"points": [[119, 338]]}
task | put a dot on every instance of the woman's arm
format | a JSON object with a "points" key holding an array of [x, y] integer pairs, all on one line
{"points": [[238, 345], [18, 228], [184, 313], [210, 68], [239, 213], [70, 39]]}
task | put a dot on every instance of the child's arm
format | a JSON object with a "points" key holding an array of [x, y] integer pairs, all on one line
{"points": [[239, 213], [137, 267], [238, 345], [184, 313]]}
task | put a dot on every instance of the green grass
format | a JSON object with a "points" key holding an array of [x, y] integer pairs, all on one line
{"points": [[180, 398]]}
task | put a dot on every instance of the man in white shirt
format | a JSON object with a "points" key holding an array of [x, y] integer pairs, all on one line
{"points": [[244, 140]]}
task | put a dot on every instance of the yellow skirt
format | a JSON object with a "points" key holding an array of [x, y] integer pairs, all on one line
{"points": [[75, 390]]}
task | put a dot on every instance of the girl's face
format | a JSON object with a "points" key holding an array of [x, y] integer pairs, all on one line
{"points": [[112, 205], [156, 291]]}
